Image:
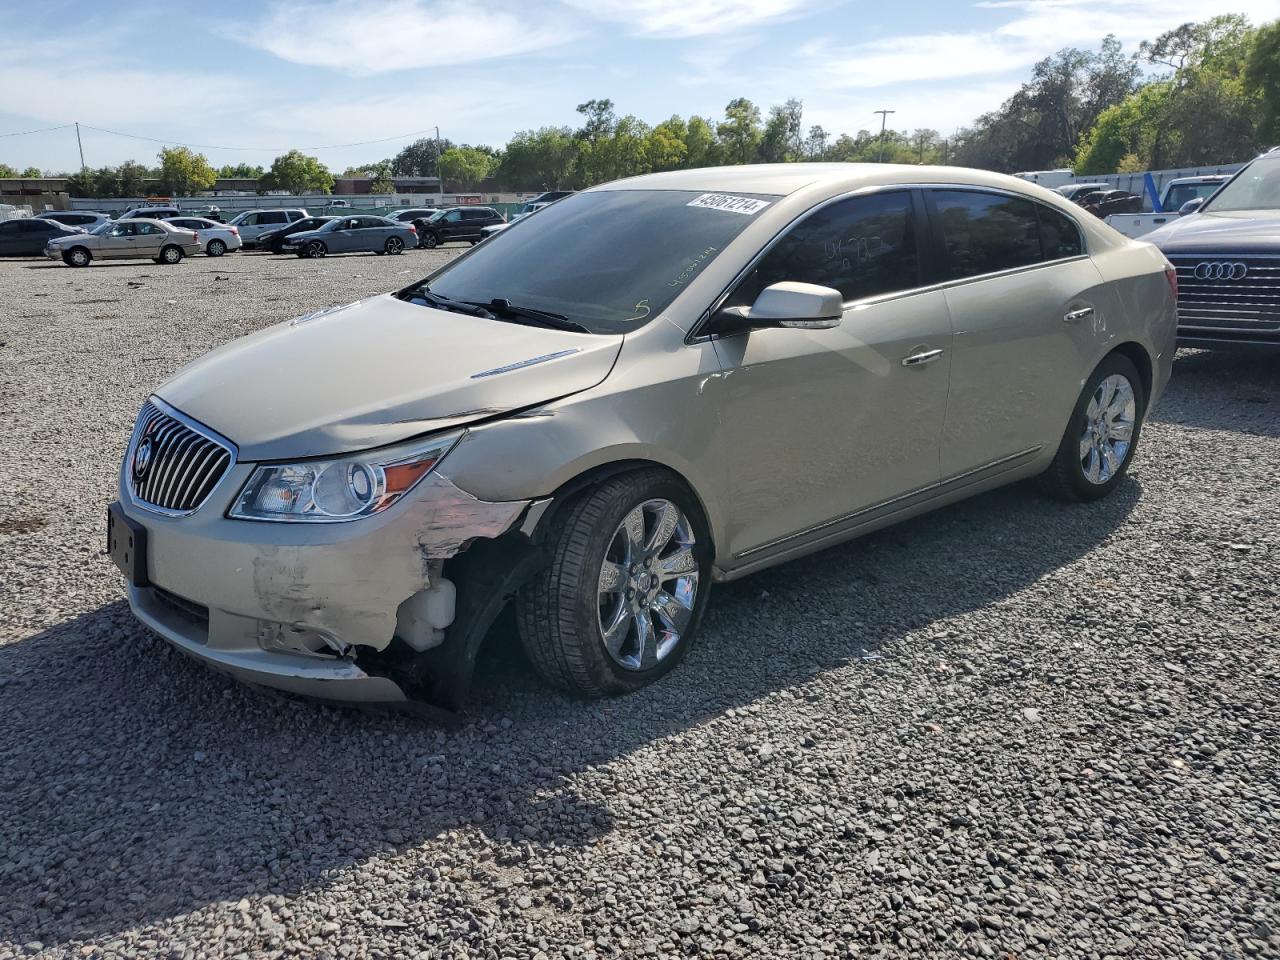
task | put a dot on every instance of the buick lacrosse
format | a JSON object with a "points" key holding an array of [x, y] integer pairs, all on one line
{"points": [[653, 385]]}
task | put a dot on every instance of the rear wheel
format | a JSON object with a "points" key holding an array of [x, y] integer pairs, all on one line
{"points": [[623, 596], [169, 254], [316, 249], [78, 257], [1101, 435], [393, 245], [216, 248]]}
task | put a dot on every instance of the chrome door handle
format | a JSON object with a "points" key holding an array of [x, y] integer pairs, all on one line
{"points": [[925, 356], [1075, 316]]}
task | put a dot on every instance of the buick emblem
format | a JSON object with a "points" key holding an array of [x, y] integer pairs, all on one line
{"points": [[1220, 270], [142, 458]]}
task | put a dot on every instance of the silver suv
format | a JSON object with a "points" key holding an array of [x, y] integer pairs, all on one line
{"points": [[254, 223], [650, 386]]}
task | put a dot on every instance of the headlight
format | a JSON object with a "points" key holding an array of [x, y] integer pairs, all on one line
{"points": [[347, 488]]}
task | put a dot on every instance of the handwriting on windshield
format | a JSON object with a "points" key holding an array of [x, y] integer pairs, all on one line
{"points": [[690, 268], [642, 311]]}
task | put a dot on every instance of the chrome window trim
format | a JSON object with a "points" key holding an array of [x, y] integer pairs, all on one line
{"points": [[696, 334], [126, 487]]}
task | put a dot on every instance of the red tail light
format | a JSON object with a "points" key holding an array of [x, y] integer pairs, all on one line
{"points": [[235, 231], [1171, 274], [413, 229], [196, 238]]}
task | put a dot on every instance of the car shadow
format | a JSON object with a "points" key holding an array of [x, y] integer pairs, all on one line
{"points": [[1228, 388], [166, 765]]}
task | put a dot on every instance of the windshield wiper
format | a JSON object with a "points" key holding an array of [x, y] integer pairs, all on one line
{"points": [[456, 306], [556, 321]]}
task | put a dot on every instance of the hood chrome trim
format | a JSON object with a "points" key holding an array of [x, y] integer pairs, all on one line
{"points": [[525, 363]]}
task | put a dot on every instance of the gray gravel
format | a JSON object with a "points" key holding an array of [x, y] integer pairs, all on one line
{"points": [[1010, 729]]}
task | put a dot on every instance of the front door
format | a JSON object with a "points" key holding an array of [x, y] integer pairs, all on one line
{"points": [[824, 429], [120, 241], [1022, 301]]}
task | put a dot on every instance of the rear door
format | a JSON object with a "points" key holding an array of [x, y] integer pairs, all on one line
{"points": [[150, 238], [10, 237], [1021, 294]]}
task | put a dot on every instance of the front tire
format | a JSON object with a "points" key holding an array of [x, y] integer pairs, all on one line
{"points": [[316, 249], [216, 248], [1101, 436], [430, 241], [623, 597], [79, 257]]}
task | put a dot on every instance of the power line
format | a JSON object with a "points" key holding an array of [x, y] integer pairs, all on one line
{"points": [[24, 133], [214, 146]]}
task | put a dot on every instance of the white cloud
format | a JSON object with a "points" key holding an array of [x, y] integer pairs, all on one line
{"points": [[690, 18], [363, 37]]}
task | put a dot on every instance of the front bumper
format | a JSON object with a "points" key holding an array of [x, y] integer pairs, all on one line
{"points": [[294, 606]]}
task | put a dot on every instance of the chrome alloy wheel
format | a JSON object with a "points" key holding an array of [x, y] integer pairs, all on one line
{"points": [[648, 583], [1108, 429]]}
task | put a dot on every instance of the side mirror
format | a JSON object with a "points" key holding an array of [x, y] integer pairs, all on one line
{"points": [[803, 306], [1191, 206]]}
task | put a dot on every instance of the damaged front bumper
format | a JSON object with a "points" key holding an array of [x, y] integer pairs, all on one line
{"points": [[334, 611]]}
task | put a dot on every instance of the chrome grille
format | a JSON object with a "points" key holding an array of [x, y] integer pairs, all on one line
{"points": [[173, 464], [1247, 303]]}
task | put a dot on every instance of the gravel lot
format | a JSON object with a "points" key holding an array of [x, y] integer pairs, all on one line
{"points": [[1012, 728]]}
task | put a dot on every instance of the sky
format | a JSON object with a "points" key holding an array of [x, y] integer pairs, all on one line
{"points": [[264, 77]]}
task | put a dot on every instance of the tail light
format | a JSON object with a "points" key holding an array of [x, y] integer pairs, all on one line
{"points": [[195, 238], [1171, 274], [413, 229], [235, 231]]}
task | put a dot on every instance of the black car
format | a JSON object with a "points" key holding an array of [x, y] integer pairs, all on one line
{"points": [[1117, 201], [274, 241], [1227, 254], [456, 223], [26, 237]]}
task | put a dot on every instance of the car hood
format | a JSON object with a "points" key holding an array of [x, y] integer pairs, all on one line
{"points": [[302, 235], [1218, 233], [376, 372]]}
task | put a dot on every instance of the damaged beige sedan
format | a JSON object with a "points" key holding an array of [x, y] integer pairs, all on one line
{"points": [[650, 386]]}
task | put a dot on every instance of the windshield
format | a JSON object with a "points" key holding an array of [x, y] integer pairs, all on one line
{"points": [[103, 227], [609, 260], [1256, 187]]}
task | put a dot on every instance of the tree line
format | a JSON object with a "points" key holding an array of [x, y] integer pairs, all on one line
{"points": [[1202, 93]]}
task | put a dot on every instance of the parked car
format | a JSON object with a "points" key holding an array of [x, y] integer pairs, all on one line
{"points": [[1073, 191], [274, 240], [528, 208], [360, 234], [550, 196], [150, 213], [254, 223], [676, 379], [411, 214], [456, 223], [1227, 253], [218, 238], [75, 218], [159, 240], [27, 236], [1184, 192], [1106, 202]]}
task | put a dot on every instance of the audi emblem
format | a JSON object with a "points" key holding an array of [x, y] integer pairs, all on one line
{"points": [[1220, 270]]}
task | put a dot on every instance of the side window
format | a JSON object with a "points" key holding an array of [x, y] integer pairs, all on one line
{"points": [[144, 229], [293, 215], [273, 217], [453, 216], [986, 232], [250, 220], [863, 247], [123, 230], [38, 226], [1059, 234]]}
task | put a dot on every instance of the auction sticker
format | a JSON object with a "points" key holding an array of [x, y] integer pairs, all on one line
{"points": [[724, 201]]}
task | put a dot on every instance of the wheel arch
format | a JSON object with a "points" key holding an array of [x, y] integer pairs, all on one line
{"points": [[1138, 355]]}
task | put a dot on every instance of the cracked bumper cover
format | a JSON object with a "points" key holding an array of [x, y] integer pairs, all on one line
{"points": [[342, 580]]}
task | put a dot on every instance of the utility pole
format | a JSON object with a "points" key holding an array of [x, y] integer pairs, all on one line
{"points": [[439, 177], [884, 116], [80, 144]]}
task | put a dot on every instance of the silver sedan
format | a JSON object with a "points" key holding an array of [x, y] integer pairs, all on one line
{"points": [[135, 239], [652, 386], [357, 234]]}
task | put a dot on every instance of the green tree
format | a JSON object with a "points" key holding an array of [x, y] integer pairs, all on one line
{"points": [[1262, 81], [131, 178], [381, 179], [700, 148], [297, 173], [7, 171], [815, 144], [420, 158], [739, 132], [539, 159], [664, 147], [783, 136], [183, 172], [32, 173], [240, 171], [465, 165]]}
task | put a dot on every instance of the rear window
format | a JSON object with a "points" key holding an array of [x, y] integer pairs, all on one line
{"points": [[986, 232], [611, 260]]}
